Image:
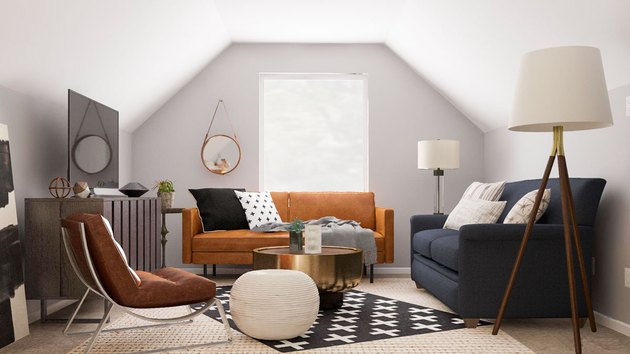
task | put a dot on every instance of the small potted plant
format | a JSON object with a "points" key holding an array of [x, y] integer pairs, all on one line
{"points": [[295, 235], [166, 191]]}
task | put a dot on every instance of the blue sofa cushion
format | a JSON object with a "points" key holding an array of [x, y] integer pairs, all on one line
{"points": [[422, 240], [445, 251], [586, 194]]}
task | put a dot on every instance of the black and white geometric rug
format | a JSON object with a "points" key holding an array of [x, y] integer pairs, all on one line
{"points": [[363, 317]]}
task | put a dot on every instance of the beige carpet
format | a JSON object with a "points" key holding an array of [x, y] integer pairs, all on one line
{"points": [[204, 329]]}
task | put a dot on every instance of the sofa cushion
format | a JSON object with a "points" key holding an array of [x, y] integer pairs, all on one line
{"points": [[422, 240], [474, 211], [357, 206], [259, 208], [522, 210], [247, 241], [219, 209], [586, 194], [444, 251], [484, 191]]}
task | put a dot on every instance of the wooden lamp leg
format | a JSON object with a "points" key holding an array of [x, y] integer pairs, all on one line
{"points": [[521, 250], [566, 219], [562, 164]]}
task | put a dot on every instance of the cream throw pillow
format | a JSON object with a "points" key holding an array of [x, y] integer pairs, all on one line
{"points": [[474, 211], [485, 191], [519, 214]]}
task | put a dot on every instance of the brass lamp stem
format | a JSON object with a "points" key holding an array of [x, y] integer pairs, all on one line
{"points": [[558, 143]]}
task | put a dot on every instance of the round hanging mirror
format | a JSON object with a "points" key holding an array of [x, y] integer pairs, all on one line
{"points": [[220, 154], [91, 154]]}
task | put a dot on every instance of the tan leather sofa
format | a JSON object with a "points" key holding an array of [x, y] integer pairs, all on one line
{"points": [[236, 246]]}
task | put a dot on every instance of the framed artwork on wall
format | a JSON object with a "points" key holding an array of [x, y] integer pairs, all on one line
{"points": [[13, 314]]}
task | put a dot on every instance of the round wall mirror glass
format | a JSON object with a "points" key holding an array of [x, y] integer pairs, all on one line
{"points": [[220, 154], [91, 154]]}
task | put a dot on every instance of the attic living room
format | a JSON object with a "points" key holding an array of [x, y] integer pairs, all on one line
{"points": [[262, 176]]}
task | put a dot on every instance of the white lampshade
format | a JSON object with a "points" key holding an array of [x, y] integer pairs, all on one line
{"points": [[562, 86], [434, 154]]}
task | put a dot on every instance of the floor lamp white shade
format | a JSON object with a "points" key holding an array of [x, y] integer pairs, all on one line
{"points": [[438, 155], [561, 86]]}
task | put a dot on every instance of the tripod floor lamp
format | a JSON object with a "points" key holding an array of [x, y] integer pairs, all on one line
{"points": [[559, 89], [438, 155]]}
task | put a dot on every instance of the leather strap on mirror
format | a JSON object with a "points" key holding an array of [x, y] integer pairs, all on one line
{"points": [[227, 116], [100, 119]]}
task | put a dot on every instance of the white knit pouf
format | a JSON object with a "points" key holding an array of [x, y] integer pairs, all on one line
{"points": [[274, 304]]}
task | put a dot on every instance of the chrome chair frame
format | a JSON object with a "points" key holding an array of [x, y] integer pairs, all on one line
{"points": [[110, 304]]}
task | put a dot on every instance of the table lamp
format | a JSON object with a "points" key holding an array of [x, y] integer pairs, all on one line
{"points": [[559, 89], [438, 155]]}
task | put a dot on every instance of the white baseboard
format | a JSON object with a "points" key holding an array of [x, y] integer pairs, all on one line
{"points": [[33, 308], [384, 270], [612, 323]]}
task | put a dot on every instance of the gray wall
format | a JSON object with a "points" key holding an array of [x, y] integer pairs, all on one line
{"points": [[403, 110], [38, 134], [594, 153]]}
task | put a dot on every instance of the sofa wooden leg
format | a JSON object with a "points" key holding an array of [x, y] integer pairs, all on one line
{"points": [[471, 322], [418, 285], [205, 270], [214, 270], [372, 273]]}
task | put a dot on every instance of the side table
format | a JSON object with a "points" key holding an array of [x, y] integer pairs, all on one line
{"points": [[165, 230]]}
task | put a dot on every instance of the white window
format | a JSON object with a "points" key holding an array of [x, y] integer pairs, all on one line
{"points": [[313, 132]]}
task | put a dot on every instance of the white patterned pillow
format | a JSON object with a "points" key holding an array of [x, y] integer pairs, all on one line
{"points": [[259, 208], [484, 191], [520, 212], [474, 211]]}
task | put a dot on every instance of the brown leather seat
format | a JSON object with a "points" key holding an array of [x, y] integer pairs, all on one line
{"points": [[101, 266], [162, 288]]}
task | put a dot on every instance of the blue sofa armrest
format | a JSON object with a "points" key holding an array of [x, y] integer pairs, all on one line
{"points": [[486, 256], [426, 222]]}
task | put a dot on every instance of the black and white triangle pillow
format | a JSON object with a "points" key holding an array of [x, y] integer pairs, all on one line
{"points": [[259, 208]]}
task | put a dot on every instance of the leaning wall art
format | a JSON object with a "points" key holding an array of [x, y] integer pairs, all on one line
{"points": [[13, 315]]}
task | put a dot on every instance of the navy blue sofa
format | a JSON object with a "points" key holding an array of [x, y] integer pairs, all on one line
{"points": [[468, 269]]}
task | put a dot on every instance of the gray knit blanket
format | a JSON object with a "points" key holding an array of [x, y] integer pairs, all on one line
{"points": [[335, 232]]}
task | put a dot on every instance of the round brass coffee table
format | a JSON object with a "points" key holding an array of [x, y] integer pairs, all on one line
{"points": [[334, 270]]}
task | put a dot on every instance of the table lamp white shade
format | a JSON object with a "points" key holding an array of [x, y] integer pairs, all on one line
{"points": [[561, 86], [438, 154]]}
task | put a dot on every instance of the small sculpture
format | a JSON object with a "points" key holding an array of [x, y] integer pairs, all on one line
{"points": [[59, 187], [81, 189]]}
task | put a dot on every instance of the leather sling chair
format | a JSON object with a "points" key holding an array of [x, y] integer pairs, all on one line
{"points": [[100, 264]]}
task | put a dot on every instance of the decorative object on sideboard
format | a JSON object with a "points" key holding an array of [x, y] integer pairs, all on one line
{"points": [[295, 235], [438, 155], [81, 189], [13, 312], [166, 192], [133, 189], [220, 153], [561, 88], [59, 187], [92, 142]]}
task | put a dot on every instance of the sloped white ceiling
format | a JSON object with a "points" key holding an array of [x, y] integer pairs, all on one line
{"points": [[309, 21], [133, 55], [471, 50]]}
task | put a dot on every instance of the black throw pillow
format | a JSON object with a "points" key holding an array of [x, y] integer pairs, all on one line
{"points": [[220, 209]]}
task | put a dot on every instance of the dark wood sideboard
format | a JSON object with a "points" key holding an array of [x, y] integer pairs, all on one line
{"points": [[49, 275]]}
